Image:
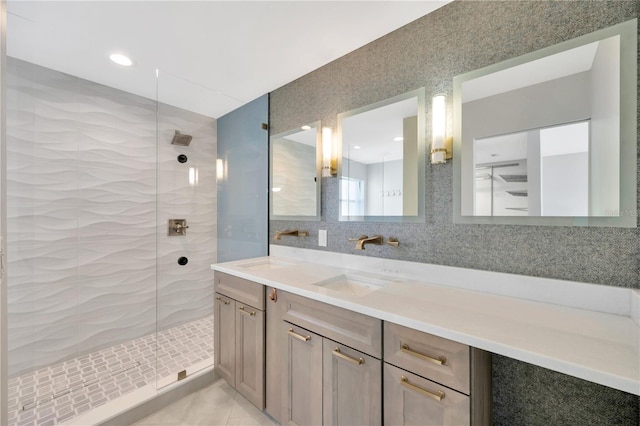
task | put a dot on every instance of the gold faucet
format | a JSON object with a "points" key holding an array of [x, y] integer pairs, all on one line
{"points": [[363, 240], [393, 241], [294, 232]]}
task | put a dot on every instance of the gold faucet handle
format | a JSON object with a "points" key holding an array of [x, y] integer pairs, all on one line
{"points": [[294, 232], [360, 238], [393, 241]]}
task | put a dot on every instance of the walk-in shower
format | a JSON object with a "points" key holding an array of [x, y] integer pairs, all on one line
{"points": [[99, 307]]}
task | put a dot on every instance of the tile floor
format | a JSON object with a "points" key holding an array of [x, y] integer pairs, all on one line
{"points": [[216, 405], [56, 393]]}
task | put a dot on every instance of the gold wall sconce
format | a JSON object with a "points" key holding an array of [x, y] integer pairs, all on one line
{"points": [[329, 155], [441, 145]]}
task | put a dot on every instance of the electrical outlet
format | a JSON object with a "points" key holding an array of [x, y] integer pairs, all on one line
{"points": [[322, 238]]}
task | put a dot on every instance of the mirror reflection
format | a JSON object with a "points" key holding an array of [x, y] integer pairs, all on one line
{"points": [[295, 174], [540, 172], [543, 135], [380, 173]]}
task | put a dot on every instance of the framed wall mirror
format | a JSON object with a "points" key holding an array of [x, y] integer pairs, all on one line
{"points": [[381, 171], [549, 138], [295, 174]]}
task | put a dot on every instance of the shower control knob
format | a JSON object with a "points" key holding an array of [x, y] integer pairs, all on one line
{"points": [[183, 261], [182, 158]]}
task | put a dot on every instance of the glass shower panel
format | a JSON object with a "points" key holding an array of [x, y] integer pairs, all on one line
{"points": [[81, 208], [186, 232], [243, 164]]}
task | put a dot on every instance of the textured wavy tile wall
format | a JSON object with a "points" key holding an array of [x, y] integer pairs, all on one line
{"points": [[91, 184]]}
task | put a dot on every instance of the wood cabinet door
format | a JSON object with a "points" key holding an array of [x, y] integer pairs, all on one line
{"points": [[413, 400], [250, 353], [276, 343], [224, 338], [352, 386], [302, 393]]}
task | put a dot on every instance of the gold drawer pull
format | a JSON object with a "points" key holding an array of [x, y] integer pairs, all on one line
{"points": [[441, 360], [244, 311], [438, 396], [358, 361], [298, 336], [226, 302]]}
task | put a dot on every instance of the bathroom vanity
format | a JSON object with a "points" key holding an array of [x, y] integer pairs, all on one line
{"points": [[348, 345]]}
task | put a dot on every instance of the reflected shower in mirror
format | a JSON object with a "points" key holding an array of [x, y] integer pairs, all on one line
{"points": [[295, 174], [539, 172], [381, 175], [550, 135]]}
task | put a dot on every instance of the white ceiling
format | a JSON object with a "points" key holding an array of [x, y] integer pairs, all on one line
{"points": [[212, 56]]}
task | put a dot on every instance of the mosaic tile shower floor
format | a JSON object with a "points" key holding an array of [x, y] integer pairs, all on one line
{"points": [[54, 394]]}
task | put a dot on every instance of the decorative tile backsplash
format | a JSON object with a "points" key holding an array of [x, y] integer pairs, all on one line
{"points": [[92, 180]]}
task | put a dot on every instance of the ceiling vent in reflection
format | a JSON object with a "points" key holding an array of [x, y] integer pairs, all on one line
{"points": [[180, 139]]}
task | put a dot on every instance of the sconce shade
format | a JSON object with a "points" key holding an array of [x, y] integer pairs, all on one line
{"points": [[329, 160], [439, 129]]}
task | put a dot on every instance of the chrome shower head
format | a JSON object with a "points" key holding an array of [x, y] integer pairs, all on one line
{"points": [[180, 139]]}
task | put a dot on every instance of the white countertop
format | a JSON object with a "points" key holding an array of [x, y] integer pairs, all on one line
{"points": [[596, 346]]}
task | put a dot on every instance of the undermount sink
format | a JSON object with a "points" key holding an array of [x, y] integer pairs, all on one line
{"points": [[266, 265], [355, 285]]}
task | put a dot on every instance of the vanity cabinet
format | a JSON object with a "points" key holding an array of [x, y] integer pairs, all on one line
{"points": [[239, 334], [429, 380], [326, 365]]}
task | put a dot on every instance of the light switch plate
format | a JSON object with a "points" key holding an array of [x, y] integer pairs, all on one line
{"points": [[322, 238]]}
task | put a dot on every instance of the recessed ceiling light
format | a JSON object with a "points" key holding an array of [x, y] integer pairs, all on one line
{"points": [[121, 59], [398, 139], [356, 147], [306, 127]]}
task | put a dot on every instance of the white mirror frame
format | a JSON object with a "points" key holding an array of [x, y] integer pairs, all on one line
{"points": [[628, 217], [317, 217], [421, 159]]}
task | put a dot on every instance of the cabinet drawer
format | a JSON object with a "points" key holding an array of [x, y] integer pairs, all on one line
{"points": [[413, 400], [358, 331], [242, 290], [441, 360]]}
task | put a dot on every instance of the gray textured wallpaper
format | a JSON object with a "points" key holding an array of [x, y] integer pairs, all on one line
{"points": [[429, 52]]}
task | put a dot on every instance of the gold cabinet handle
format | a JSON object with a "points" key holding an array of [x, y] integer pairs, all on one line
{"points": [[244, 311], [274, 295], [438, 396], [441, 360], [298, 336], [226, 302], [355, 361]]}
